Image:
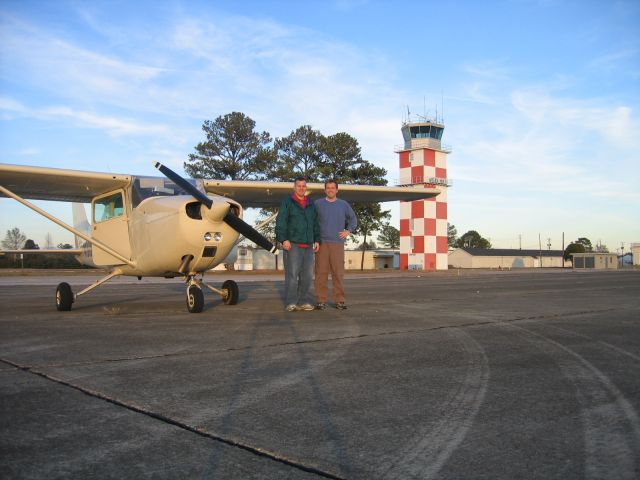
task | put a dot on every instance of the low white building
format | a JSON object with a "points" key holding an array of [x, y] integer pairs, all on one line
{"points": [[635, 251], [505, 258], [373, 259], [595, 260]]}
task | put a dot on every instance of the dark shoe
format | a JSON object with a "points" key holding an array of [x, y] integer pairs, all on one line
{"points": [[341, 306], [321, 306]]}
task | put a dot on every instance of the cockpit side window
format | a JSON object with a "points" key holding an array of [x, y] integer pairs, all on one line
{"points": [[108, 207]]}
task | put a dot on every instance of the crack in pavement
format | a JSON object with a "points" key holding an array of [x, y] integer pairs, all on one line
{"points": [[261, 452]]}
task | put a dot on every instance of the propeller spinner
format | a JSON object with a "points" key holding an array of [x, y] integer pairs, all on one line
{"points": [[230, 219]]}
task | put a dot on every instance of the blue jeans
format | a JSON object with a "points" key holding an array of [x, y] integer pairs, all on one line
{"points": [[298, 275]]}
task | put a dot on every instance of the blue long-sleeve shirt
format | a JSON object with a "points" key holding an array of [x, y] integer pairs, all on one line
{"points": [[334, 217]]}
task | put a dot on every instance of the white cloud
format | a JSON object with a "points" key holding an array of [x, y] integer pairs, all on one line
{"points": [[29, 152], [82, 119]]}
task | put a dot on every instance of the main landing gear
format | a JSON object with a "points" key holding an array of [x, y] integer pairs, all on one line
{"points": [[65, 297], [195, 298]]}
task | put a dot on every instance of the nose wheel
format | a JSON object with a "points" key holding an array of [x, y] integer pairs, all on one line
{"points": [[230, 293], [195, 298]]}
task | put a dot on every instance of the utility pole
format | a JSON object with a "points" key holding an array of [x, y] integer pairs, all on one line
{"points": [[562, 249], [520, 240], [548, 243], [540, 248]]}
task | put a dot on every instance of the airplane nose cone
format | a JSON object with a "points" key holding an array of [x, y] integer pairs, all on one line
{"points": [[217, 211]]}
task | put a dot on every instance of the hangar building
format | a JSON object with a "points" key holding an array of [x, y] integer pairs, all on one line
{"points": [[505, 258]]}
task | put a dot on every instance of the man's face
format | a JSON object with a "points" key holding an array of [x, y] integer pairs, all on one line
{"points": [[300, 188], [331, 190]]}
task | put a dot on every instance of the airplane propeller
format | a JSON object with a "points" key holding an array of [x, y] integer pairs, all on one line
{"points": [[230, 219]]}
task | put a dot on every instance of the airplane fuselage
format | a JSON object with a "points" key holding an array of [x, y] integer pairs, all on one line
{"points": [[164, 236]]}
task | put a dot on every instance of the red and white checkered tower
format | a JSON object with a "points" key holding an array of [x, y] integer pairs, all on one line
{"points": [[423, 223]]}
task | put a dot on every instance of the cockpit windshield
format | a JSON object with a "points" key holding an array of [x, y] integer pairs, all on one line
{"points": [[145, 187]]}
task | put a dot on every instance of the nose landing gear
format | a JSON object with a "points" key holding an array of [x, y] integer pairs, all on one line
{"points": [[195, 298], [229, 293]]}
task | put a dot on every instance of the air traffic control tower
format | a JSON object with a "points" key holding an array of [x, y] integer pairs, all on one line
{"points": [[423, 223]]}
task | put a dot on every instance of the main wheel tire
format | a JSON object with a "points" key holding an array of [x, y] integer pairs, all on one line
{"points": [[64, 297], [233, 293], [195, 299]]}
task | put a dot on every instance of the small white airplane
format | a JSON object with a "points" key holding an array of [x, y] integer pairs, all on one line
{"points": [[162, 227]]}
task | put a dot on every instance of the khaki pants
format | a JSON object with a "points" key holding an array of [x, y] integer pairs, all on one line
{"points": [[330, 259]]}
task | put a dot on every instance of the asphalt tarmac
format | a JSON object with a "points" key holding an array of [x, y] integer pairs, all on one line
{"points": [[522, 374]]}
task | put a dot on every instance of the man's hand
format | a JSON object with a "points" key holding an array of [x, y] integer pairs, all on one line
{"points": [[316, 246], [286, 245], [344, 234]]}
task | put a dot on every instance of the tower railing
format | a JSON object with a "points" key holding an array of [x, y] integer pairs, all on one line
{"points": [[435, 181], [401, 148]]}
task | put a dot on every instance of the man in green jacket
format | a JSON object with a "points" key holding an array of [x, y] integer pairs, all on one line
{"points": [[298, 230]]}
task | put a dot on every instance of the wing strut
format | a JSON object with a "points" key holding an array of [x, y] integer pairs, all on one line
{"points": [[84, 236]]}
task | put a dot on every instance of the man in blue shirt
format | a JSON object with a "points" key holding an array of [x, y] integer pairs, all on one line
{"points": [[337, 222]]}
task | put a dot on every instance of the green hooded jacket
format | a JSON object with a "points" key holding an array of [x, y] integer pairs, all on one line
{"points": [[297, 224]]}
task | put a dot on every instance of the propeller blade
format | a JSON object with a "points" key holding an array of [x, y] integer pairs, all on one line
{"points": [[249, 232], [230, 219], [182, 183]]}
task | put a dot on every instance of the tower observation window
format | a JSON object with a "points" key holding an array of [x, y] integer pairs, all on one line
{"points": [[427, 131]]}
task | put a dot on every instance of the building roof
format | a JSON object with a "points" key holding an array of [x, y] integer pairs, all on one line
{"points": [[511, 252]]}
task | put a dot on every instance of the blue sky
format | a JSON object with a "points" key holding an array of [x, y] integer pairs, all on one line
{"points": [[540, 98]]}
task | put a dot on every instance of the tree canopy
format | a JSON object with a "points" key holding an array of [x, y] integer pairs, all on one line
{"points": [[472, 239], [14, 239], [233, 150], [573, 247], [371, 218], [299, 154], [389, 236], [452, 235], [588, 247]]}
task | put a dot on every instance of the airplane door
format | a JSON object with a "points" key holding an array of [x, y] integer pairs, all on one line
{"points": [[110, 226]]}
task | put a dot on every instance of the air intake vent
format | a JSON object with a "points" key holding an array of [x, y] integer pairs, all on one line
{"points": [[209, 251], [193, 210]]}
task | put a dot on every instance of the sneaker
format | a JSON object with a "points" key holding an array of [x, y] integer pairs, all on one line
{"points": [[321, 306], [291, 308], [307, 307], [341, 306]]}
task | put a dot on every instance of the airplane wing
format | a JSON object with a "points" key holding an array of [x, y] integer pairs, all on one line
{"points": [[270, 194], [43, 183]]}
